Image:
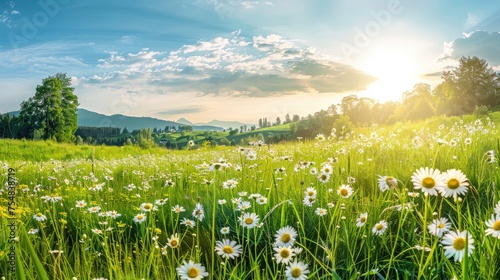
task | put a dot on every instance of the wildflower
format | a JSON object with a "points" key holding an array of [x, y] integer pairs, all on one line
{"points": [[455, 183], [379, 228], [191, 271], [327, 168], [80, 204], [242, 194], [467, 141], [493, 226], [191, 143], [198, 212], [94, 209], [221, 201], [96, 231], [386, 182], [320, 137], [51, 198], [56, 252], [404, 206], [227, 248], [285, 236], [229, 184], [148, 207], [438, 227], [251, 155], [39, 217], [249, 220], [173, 241], [224, 230], [169, 183], [33, 231], [296, 270], [361, 220], [345, 191], [162, 201], [455, 244], [244, 205], [320, 212], [313, 171], [139, 218], [428, 179], [497, 208], [188, 223], [310, 192], [284, 254], [413, 194], [261, 200], [178, 209], [324, 177], [309, 200]]}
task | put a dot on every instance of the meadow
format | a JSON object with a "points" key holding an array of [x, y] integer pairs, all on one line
{"points": [[407, 201]]}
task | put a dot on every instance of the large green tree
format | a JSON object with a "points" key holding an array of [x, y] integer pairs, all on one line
{"points": [[471, 84], [52, 112]]}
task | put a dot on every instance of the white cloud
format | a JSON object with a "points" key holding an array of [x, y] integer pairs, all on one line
{"points": [[232, 66], [479, 43]]}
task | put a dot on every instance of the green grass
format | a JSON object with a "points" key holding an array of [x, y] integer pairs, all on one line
{"points": [[333, 246]]}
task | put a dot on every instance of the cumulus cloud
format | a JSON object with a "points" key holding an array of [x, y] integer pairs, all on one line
{"points": [[479, 43], [234, 66]]}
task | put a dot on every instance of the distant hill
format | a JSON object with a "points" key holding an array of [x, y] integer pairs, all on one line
{"points": [[89, 118], [224, 124]]}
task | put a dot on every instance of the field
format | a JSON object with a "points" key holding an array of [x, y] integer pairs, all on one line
{"points": [[406, 201]]}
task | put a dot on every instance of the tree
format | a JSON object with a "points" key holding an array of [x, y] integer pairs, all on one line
{"points": [[278, 121], [470, 84], [51, 112]]}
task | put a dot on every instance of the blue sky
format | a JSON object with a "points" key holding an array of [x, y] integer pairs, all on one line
{"points": [[234, 59]]}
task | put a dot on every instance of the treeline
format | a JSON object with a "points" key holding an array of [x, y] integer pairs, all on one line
{"points": [[472, 87]]}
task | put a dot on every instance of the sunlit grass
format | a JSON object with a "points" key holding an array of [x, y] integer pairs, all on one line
{"points": [[76, 242]]}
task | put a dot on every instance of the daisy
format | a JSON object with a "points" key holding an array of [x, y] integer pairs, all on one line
{"points": [[296, 270], [386, 182], [379, 228], [455, 244], [96, 231], [33, 231], [345, 191], [139, 218], [39, 217], [251, 155], [191, 271], [361, 221], [161, 201], [309, 200], [244, 205], [178, 209], [313, 171], [198, 212], [80, 204], [284, 254], [320, 212], [173, 241], [261, 200], [224, 230], [148, 207], [221, 201], [455, 183], [438, 227], [94, 209], [188, 223], [493, 226], [324, 177], [327, 168], [428, 179], [497, 208], [249, 220], [285, 236], [227, 248], [310, 192], [169, 183], [320, 137]]}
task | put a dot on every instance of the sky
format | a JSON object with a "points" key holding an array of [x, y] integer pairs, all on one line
{"points": [[237, 60]]}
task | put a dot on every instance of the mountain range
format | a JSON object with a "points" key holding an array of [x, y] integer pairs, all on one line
{"points": [[224, 124]]}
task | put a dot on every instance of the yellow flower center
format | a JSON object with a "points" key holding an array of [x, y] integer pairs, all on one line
{"points": [[310, 193], [285, 253], [173, 243], [147, 206], [389, 179], [428, 183], [344, 192], [228, 249], [379, 226], [453, 184], [441, 225], [248, 221], [459, 243], [296, 272], [193, 272], [140, 217], [496, 225], [286, 238], [39, 214], [362, 219]]}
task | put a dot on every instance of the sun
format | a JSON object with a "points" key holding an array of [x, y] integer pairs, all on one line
{"points": [[396, 71]]}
